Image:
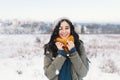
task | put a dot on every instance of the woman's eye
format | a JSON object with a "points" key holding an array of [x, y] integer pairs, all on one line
{"points": [[67, 27]]}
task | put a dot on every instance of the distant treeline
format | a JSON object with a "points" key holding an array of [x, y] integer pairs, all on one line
{"points": [[102, 29], [32, 27]]}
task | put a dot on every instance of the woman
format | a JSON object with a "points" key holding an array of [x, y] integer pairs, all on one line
{"points": [[65, 57]]}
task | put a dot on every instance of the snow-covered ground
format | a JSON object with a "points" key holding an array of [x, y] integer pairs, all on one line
{"points": [[21, 56]]}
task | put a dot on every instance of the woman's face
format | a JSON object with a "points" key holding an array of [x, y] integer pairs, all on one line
{"points": [[64, 29]]}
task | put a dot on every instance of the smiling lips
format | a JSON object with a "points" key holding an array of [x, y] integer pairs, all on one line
{"points": [[64, 35]]}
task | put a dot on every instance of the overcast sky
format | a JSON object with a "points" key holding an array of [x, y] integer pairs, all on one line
{"points": [[50, 10]]}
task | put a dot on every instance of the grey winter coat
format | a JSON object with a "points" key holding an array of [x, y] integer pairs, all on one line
{"points": [[53, 65]]}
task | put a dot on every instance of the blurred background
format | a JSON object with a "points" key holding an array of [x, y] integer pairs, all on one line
{"points": [[26, 25]]}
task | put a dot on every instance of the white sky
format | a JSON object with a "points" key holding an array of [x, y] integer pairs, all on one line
{"points": [[50, 10]]}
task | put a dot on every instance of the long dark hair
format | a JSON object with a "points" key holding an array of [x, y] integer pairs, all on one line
{"points": [[55, 34]]}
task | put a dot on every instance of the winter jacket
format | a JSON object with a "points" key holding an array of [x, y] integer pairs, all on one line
{"points": [[53, 65]]}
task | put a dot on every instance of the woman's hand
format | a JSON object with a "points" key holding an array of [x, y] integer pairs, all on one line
{"points": [[59, 45], [70, 45]]}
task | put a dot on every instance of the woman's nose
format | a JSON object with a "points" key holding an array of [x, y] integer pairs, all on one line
{"points": [[63, 30]]}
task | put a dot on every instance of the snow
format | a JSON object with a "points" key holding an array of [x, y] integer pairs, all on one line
{"points": [[21, 56]]}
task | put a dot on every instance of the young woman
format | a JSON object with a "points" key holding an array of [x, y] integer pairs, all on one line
{"points": [[65, 57]]}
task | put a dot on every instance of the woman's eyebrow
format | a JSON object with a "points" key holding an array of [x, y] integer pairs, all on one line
{"points": [[67, 26]]}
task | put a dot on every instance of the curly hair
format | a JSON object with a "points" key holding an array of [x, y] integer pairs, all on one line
{"points": [[55, 34]]}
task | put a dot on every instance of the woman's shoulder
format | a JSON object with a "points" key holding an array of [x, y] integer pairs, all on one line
{"points": [[81, 46], [81, 42], [46, 49], [46, 46]]}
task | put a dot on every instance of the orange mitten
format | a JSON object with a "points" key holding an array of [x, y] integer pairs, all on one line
{"points": [[64, 41]]}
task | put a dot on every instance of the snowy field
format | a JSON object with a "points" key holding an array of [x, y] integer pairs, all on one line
{"points": [[21, 56]]}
